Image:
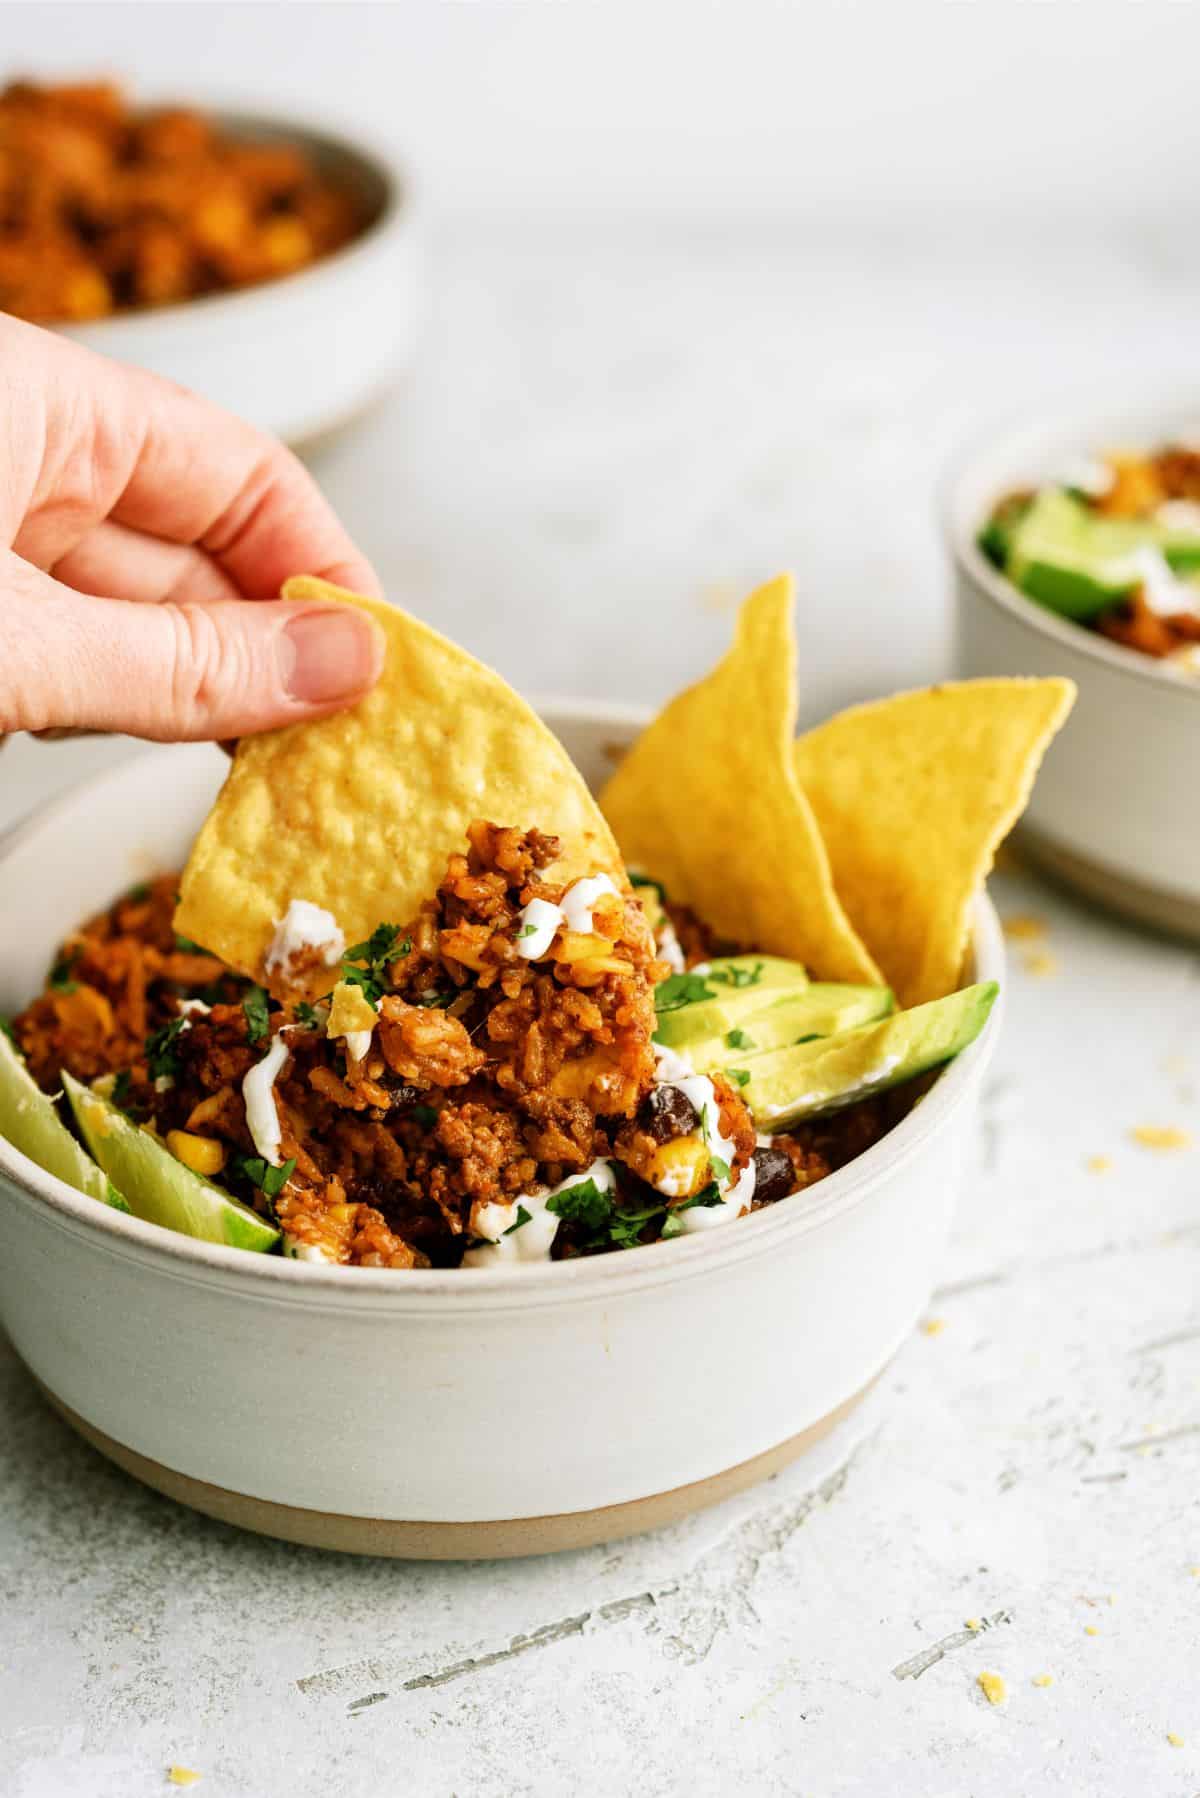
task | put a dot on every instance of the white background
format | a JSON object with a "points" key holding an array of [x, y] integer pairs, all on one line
{"points": [[933, 114], [714, 291]]}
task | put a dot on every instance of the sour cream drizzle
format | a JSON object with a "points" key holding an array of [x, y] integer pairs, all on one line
{"points": [[305, 926], [262, 1113], [538, 923], [670, 949], [530, 1241], [736, 1201], [676, 1070], [1162, 591]]}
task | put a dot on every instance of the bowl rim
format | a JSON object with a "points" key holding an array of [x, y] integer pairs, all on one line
{"points": [[286, 1280], [369, 151], [968, 469]]}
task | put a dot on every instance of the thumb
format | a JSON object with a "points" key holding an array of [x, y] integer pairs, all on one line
{"points": [[174, 672]]}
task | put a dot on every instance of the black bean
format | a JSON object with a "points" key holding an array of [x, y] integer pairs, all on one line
{"points": [[774, 1175], [666, 1113]]}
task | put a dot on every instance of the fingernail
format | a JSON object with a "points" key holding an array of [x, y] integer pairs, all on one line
{"points": [[334, 655]]}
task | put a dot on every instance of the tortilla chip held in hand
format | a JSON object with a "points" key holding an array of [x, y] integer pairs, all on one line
{"points": [[359, 811]]}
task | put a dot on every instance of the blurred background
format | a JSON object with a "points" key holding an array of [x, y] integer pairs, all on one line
{"points": [[712, 290]]}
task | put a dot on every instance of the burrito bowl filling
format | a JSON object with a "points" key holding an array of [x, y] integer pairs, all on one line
{"points": [[485, 1084]]}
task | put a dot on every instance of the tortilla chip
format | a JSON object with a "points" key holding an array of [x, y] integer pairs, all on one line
{"points": [[707, 802], [359, 811], [913, 795]]}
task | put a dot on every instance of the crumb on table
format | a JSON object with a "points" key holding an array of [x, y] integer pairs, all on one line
{"points": [[993, 1688]]}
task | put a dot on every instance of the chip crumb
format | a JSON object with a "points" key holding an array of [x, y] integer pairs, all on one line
{"points": [[183, 1776], [933, 1326], [973, 1623], [1043, 1679], [1175, 1741], [1098, 1164], [1161, 1136], [1040, 964], [1195, 1572], [1023, 927], [1089, 1629], [993, 1688]]}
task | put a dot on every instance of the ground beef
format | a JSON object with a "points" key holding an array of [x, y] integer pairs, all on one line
{"points": [[486, 1076]]}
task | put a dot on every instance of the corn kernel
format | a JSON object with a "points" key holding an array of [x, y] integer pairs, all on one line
{"points": [[680, 1168], [201, 1153]]}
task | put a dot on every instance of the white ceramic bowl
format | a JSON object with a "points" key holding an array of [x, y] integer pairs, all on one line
{"points": [[1113, 812], [302, 355], [447, 1414]]}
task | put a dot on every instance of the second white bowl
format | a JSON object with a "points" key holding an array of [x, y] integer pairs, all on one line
{"points": [[302, 355], [1113, 812]]}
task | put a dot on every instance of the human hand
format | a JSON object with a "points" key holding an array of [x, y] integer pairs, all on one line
{"points": [[144, 535]]}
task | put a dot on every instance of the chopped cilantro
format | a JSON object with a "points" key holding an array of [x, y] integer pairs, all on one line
{"points": [[681, 989], [708, 1195], [720, 1168], [269, 1180], [306, 1014], [731, 976], [582, 1204], [139, 892], [161, 1058], [606, 1222], [738, 1076], [8, 1030], [365, 964], [737, 1039], [258, 1019], [672, 1226], [186, 946], [625, 1227], [528, 930], [523, 1217], [60, 974], [656, 886], [438, 1001], [424, 1114], [120, 1089]]}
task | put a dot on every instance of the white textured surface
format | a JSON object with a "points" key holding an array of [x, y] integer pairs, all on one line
{"points": [[630, 432]]}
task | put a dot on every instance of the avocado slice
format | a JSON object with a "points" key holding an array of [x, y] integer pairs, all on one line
{"points": [[712, 999], [814, 1078], [822, 1009], [1078, 562], [157, 1187], [29, 1120]]}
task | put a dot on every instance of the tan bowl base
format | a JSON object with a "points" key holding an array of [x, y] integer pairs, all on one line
{"points": [[502, 1539], [1170, 912]]}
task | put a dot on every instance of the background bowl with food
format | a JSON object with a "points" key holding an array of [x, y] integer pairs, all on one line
{"points": [[268, 262], [1075, 545]]}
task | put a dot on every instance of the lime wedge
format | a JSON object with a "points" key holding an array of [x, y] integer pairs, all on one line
{"points": [[159, 1188], [30, 1122]]}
